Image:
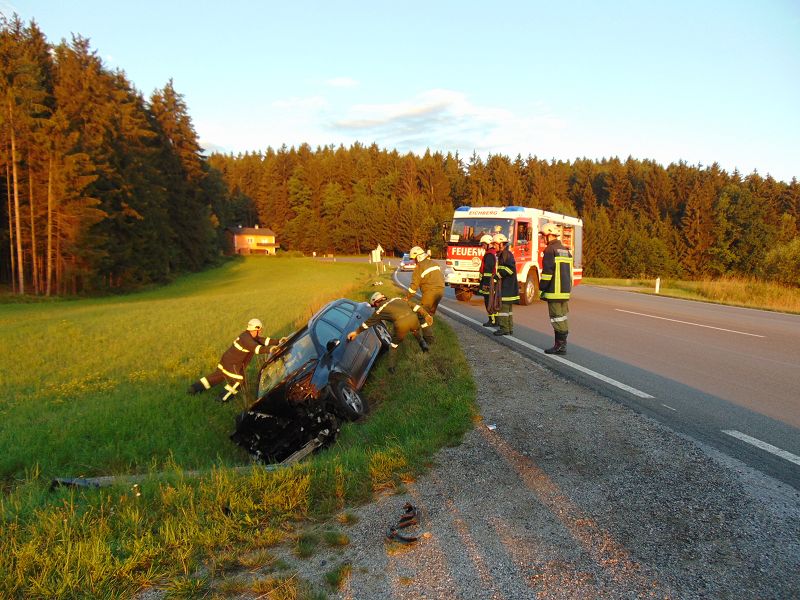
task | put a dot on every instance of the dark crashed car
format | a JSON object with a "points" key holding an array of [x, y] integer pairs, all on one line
{"points": [[312, 384]]}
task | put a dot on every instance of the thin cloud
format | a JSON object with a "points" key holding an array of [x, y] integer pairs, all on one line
{"points": [[447, 120]]}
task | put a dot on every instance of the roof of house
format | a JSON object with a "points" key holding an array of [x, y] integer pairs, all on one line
{"points": [[251, 230]]}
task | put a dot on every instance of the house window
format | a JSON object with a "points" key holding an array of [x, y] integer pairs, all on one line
{"points": [[250, 241]]}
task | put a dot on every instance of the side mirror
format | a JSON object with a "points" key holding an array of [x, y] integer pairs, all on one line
{"points": [[331, 345]]}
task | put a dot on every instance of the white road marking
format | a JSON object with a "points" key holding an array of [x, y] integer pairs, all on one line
{"points": [[669, 407], [763, 445], [689, 323], [564, 361]]}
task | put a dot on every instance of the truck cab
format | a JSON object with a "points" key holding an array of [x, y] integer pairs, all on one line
{"points": [[521, 226]]}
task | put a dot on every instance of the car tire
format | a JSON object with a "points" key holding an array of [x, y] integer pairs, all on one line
{"points": [[349, 403], [384, 336]]}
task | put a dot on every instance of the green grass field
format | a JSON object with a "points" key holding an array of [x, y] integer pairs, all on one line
{"points": [[97, 387]]}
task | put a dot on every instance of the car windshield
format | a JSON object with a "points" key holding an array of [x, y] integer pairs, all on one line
{"points": [[406, 257], [471, 229], [301, 351]]}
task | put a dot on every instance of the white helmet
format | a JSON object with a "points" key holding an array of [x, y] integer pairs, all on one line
{"points": [[254, 325], [551, 229], [416, 252], [376, 299], [499, 238], [486, 239]]}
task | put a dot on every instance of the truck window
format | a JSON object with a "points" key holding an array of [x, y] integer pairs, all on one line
{"points": [[523, 232], [470, 229]]}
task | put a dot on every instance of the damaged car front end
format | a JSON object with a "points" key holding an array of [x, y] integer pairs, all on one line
{"points": [[311, 385]]}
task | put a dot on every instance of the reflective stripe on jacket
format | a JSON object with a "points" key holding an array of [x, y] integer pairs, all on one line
{"points": [[241, 352], [507, 272], [556, 280], [488, 270], [427, 275], [396, 310]]}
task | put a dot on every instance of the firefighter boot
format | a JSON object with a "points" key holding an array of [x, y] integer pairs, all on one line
{"points": [[195, 388], [504, 324], [423, 343], [560, 345]]}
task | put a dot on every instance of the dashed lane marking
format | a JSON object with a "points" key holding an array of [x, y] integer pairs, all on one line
{"points": [[793, 458], [563, 361], [630, 312], [669, 407]]}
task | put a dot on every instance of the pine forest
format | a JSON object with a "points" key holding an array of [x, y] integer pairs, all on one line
{"points": [[105, 191]]}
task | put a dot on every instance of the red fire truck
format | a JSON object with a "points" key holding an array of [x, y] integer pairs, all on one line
{"points": [[521, 226]]}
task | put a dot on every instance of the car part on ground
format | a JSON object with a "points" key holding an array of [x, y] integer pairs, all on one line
{"points": [[409, 518]]}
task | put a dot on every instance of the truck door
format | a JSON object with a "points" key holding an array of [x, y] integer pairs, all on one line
{"points": [[523, 248]]}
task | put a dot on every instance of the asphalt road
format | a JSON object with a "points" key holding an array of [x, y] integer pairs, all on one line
{"points": [[725, 376]]}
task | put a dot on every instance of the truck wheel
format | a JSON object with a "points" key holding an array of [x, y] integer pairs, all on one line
{"points": [[530, 292], [349, 402], [463, 294]]}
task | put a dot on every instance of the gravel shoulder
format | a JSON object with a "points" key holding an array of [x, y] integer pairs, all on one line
{"points": [[572, 495]]}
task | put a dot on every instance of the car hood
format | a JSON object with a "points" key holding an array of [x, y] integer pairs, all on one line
{"points": [[296, 386]]}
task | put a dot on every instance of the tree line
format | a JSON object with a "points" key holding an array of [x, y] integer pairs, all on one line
{"points": [[640, 219], [105, 190]]}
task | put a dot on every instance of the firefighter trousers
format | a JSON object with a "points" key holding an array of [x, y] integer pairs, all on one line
{"points": [[430, 301], [402, 328], [232, 376], [558, 311], [504, 318]]}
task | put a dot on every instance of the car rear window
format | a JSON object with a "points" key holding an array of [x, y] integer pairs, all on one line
{"points": [[339, 317]]}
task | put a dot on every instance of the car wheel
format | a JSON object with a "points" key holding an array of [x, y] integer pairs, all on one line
{"points": [[384, 336], [349, 402]]}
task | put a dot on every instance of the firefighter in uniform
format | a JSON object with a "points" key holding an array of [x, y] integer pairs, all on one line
{"points": [[488, 276], [234, 361], [509, 287], [556, 285], [403, 317], [428, 278]]}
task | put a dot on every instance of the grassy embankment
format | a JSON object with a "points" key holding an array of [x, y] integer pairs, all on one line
{"points": [[734, 291], [97, 387]]}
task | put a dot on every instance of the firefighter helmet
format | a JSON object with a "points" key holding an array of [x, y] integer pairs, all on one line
{"points": [[499, 238], [254, 325], [486, 239], [551, 229], [416, 252], [376, 299]]}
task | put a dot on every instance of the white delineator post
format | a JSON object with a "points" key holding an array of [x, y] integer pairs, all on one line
{"points": [[658, 284]]}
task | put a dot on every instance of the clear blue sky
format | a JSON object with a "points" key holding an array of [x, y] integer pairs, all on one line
{"points": [[700, 81]]}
